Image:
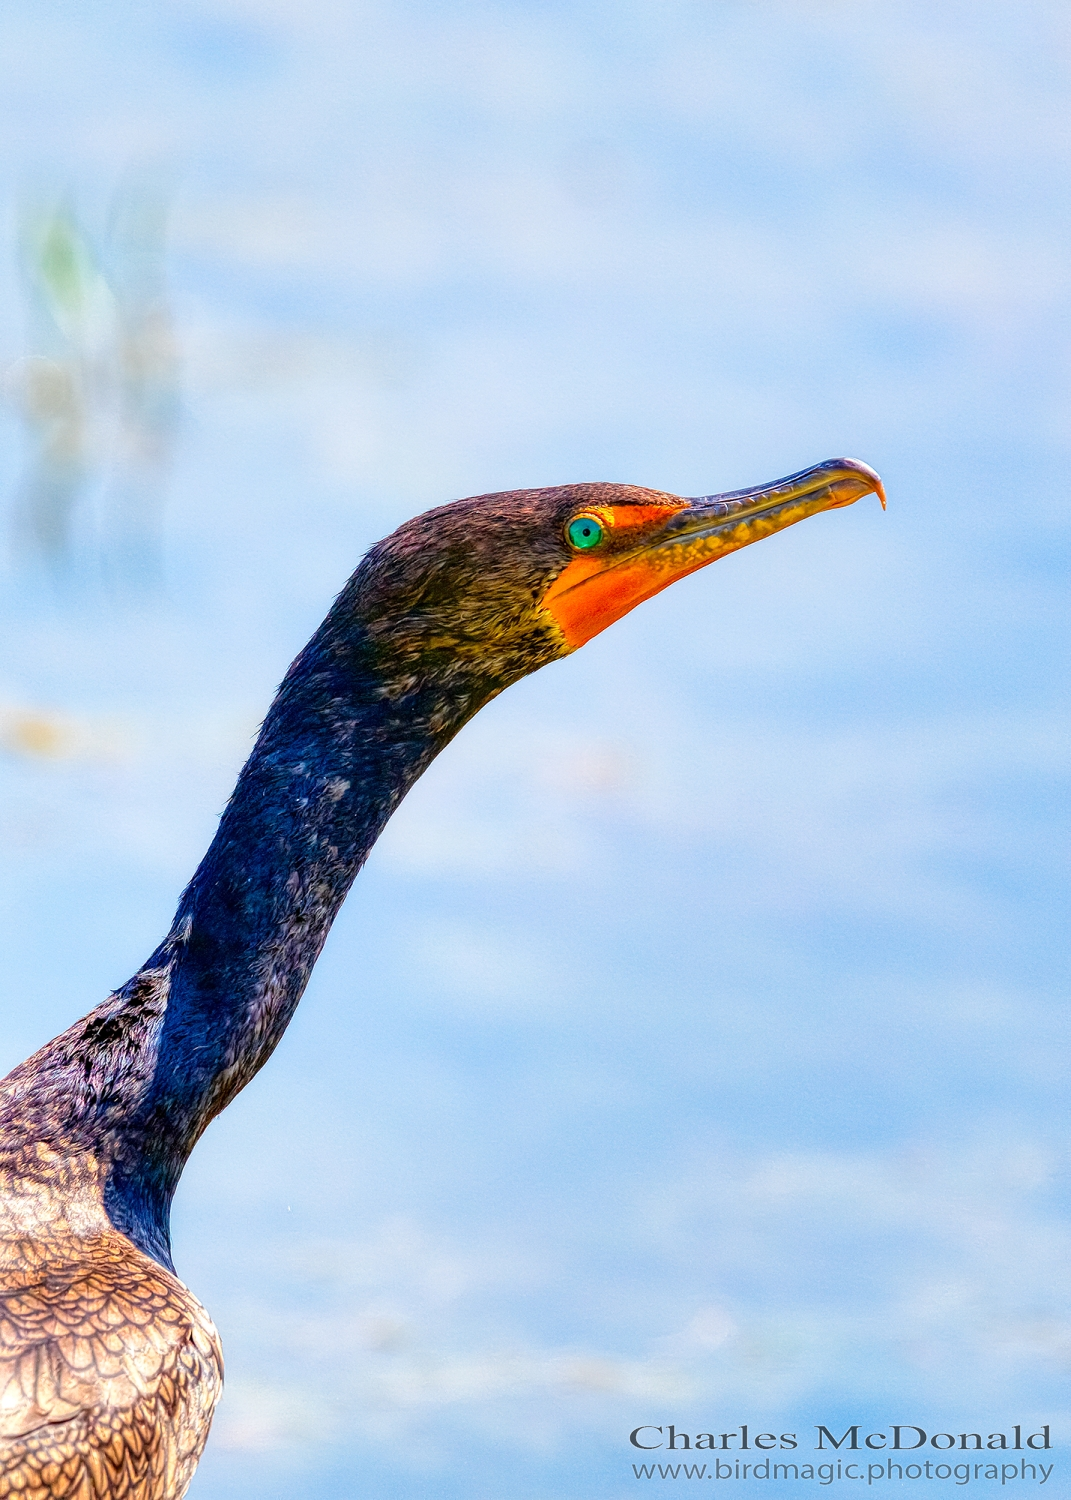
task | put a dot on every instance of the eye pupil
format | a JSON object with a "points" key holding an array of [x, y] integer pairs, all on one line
{"points": [[584, 532]]}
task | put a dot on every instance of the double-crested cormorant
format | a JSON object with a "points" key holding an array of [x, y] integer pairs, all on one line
{"points": [[109, 1367]]}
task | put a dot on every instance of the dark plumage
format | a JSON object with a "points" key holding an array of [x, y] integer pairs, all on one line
{"points": [[109, 1367]]}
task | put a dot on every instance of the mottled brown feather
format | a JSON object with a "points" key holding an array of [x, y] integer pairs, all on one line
{"points": [[109, 1367]]}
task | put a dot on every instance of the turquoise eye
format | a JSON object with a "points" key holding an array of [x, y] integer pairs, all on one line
{"points": [[584, 532]]}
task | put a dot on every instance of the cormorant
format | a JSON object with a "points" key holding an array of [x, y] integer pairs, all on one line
{"points": [[109, 1367]]}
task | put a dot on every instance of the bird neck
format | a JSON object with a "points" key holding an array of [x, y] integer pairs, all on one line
{"points": [[134, 1084]]}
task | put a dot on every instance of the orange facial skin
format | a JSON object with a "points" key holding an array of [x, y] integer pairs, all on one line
{"points": [[609, 590]]}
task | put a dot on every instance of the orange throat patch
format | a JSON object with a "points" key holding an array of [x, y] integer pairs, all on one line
{"points": [[593, 590]]}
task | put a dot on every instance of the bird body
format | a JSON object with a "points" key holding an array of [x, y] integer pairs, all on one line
{"points": [[109, 1367]]}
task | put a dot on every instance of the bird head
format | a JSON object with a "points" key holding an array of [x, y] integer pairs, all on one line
{"points": [[498, 585]]}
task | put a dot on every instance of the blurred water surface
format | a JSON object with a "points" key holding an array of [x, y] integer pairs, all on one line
{"points": [[689, 1049]]}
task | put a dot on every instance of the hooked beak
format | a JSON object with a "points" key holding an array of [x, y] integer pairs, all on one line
{"points": [[593, 592], [713, 525]]}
